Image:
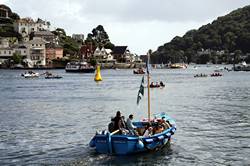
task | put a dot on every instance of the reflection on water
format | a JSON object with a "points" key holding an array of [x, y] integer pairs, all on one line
{"points": [[51, 121]]}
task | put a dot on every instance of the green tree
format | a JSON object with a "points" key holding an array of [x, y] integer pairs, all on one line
{"points": [[17, 59]]}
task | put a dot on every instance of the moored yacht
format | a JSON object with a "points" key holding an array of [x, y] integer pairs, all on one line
{"points": [[79, 67]]}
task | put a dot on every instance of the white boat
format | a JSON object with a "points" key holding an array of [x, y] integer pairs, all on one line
{"points": [[79, 67], [30, 74]]}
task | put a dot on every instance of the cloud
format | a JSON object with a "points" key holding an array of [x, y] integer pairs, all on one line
{"points": [[140, 24]]}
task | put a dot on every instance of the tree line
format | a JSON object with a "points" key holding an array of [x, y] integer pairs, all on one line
{"points": [[230, 34]]}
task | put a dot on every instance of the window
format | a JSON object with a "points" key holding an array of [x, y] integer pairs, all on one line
{"points": [[24, 51], [32, 44], [4, 52], [36, 44], [9, 52], [41, 45]]}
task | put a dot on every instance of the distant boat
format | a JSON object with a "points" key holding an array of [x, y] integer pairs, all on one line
{"points": [[242, 67], [178, 66], [200, 75], [53, 77], [139, 71], [30, 74], [79, 67], [215, 74]]}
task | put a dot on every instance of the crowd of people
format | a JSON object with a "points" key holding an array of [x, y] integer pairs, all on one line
{"points": [[120, 126]]}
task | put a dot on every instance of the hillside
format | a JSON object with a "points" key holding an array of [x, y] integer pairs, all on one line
{"points": [[230, 33], [6, 24]]}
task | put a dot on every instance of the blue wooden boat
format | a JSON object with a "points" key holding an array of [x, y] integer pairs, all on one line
{"points": [[118, 144], [110, 143]]}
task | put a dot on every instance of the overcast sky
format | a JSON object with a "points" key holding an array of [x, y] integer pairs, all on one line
{"points": [[139, 24]]}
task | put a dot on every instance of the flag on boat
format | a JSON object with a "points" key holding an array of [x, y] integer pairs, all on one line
{"points": [[141, 91]]}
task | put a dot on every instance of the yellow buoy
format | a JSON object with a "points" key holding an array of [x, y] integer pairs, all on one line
{"points": [[98, 76]]}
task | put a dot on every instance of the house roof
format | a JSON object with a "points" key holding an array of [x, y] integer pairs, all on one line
{"points": [[119, 49], [37, 41], [108, 51], [43, 33], [52, 45], [20, 46], [26, 20]]}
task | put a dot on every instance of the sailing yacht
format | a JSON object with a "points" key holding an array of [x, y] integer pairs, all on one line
{"points": [[113, 142]]}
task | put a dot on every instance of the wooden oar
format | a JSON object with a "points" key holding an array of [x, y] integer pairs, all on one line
{"points": [[114, 132]]}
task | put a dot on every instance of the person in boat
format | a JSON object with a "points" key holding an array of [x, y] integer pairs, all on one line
{"points": [[119, 123], [130, 125], [164, 123], [152, 84], [161, 84], [48, 73], [158, 129], [111, 125], [123, 123], [157, 84], [148, 132]]}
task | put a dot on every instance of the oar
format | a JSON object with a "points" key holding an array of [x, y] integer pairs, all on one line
{"points": [[114, 132]]}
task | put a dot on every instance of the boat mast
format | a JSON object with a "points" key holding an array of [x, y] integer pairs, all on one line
{"points": [[149, 52]]}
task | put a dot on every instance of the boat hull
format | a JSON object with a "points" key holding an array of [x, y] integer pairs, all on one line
{"points": [[53, 77], [124, 145]]}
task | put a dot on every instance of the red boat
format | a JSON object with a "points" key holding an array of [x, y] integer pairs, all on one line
{"points": [[215, 74], [139, 71]]}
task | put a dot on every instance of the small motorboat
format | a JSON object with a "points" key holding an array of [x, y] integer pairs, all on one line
{"points": [[79, 67], [139, 71], [118, 144], [49, 75], [200, 75], [215, 74], [178, 66], [30, 74], [53, 77]]}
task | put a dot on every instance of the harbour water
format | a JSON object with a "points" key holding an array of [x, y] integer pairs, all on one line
{"points": [[47, 122]]}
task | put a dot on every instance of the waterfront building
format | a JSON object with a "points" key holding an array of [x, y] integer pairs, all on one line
{"points": [[4, 43], [122, 54], [87, 51], [5, 11], [53, 51], [26, 26], [36, 51], [46, 35], [21, 50], [103, 55], [137, 59], [6, 53]]}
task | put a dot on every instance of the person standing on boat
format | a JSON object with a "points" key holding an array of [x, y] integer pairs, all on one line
{"points": [[130, 125]]}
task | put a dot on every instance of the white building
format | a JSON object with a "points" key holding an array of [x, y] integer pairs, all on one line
{"points": [[4, 43], [25, 26], [36, 51], [6, 53], [103, 55]]}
